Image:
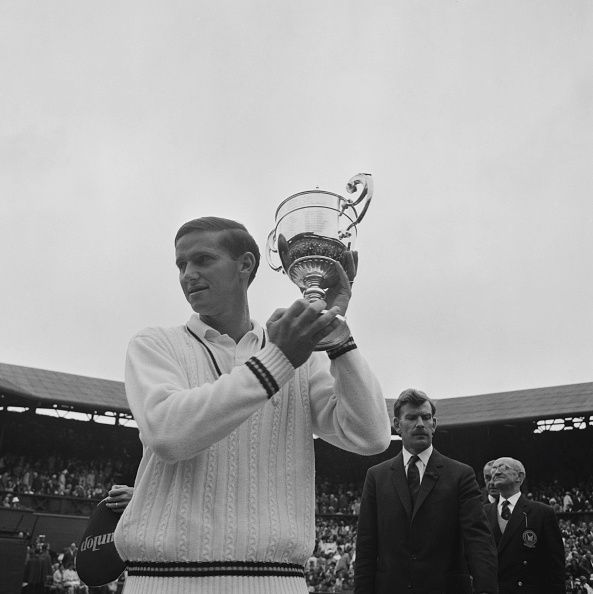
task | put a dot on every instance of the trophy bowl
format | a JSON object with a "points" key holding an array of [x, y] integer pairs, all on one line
{"points": [[312, 231]]}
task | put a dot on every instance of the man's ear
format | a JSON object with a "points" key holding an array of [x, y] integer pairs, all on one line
{"points": [[434, 423], [396, 425], [247, 263]]}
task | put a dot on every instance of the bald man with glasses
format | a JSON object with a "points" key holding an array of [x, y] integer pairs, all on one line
{"points": [[530, 548]]}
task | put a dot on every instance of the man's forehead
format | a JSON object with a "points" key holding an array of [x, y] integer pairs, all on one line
{"points": [[199, 236], [414, 409], [199, 241], [505, 462]]}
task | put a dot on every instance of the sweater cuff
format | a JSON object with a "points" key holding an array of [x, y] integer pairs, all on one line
{"points": [[347, 345], [271, 367]]}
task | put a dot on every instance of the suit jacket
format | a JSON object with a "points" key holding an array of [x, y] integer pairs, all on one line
{"points": [[530, 552], [428, 549]]}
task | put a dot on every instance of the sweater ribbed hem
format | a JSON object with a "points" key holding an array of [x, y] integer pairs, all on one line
{"points": [[214, 568], [215, 585]]}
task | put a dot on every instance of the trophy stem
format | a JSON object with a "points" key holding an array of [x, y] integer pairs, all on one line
{"points": [[313, 291]]}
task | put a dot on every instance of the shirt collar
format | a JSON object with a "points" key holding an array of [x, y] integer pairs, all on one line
{"points": [[424, 455], [512, 500], [196, 325]]}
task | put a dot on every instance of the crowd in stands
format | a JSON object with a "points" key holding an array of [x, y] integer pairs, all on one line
{"points": [[576, 498], [54, 475], [337, 498], [330, 568], [578, 544]]}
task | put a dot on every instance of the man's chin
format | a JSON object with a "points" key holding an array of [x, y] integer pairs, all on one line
{"points": [[420, 443], [196, 301]]}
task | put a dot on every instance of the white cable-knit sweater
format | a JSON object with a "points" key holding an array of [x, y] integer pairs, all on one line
{"points": [[227, 471]]}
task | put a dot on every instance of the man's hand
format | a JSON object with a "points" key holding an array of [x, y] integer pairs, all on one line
{"points": [[338, 282], [297, 330], [118, 498]]}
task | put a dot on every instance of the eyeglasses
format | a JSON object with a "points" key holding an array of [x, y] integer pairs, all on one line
{"points": [[504, 467]]}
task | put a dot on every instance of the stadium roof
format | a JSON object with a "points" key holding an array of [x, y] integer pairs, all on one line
{"points": [[573, 400], [28, 386], [39, 388]]}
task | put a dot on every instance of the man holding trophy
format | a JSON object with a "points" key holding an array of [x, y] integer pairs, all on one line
{"points": [[224, 496]]}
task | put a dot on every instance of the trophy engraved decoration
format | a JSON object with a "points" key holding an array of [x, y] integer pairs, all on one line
{"points": [[312, 231]]}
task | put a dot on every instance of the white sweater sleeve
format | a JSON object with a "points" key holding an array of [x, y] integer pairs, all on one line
{"points": [[177, 421], [347, 404]]}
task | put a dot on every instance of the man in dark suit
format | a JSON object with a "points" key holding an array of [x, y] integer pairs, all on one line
{"points": [[421, 526], [530, 548]]}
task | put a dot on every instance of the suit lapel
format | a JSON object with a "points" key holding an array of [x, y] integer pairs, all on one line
{"points": [[400, 483], [515, 522], [429, 480]]}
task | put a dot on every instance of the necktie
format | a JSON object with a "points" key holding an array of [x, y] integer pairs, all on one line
{"points": [[413, 478], [505, 513]]}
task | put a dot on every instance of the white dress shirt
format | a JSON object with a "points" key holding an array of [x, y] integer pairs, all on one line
{"points": [[512, 502], [421, 464]]}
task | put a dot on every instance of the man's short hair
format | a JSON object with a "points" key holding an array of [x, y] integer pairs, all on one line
{"points": [[519, 467], [234, 237], [413, 397]]}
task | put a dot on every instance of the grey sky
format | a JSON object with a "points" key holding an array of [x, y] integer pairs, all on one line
{"points": [[123, 120]]}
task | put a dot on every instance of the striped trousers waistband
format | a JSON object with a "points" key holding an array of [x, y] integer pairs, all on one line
{"points": [[214, 568]]}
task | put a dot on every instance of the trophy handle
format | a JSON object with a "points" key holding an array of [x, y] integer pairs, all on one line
{"points": [[272, 255], [366, 181]]}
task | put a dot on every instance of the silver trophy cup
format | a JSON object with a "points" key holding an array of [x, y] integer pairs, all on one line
{"points": [[312, 231]]}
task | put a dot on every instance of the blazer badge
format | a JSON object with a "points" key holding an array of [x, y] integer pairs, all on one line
{"points": [[529, 539]]}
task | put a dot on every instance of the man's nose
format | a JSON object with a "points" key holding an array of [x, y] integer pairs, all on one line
{"points": [[190, 272]]}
